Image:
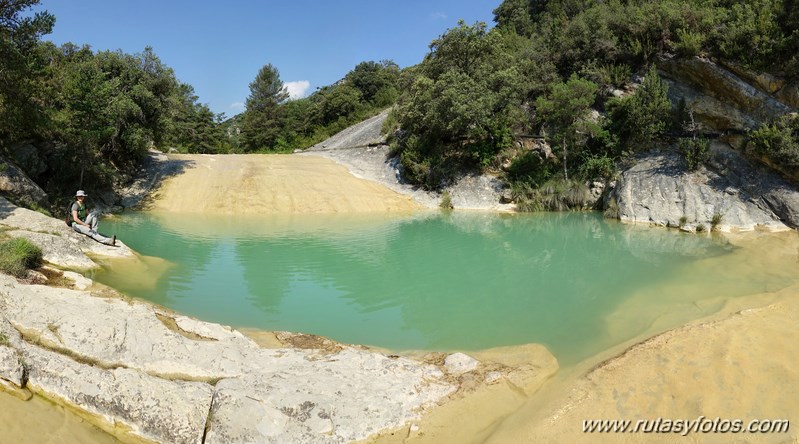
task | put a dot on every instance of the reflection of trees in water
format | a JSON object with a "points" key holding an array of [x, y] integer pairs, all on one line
{"points": [[469, 280], [458, 280], [148, 237]]}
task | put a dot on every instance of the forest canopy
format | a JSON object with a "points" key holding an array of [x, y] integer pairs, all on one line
{"points": [[579, 76]]}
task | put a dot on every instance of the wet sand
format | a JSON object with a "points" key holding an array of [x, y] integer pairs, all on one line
{"points": [[740, 362], [42, 422]]}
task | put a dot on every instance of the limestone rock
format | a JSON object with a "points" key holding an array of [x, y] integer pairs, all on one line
{"points": [[11, 336], [658, 190], [360, 135], [15, 183], [22, 218], [363, 392], [212, 331], [720, 99], [153, 408], [478, 192], [11, 368], [120, 334], [61, 245], [460, 363], [263, 407], [80, 282], [58, 250]]}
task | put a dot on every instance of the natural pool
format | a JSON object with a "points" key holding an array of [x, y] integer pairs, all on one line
{"points": [[574, 282]]}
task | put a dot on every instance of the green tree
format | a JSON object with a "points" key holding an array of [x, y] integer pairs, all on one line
{"points": [[336, 103], [463, 102], [377, 82], [20, 66], [641, 118], [193, 127], [565, 112], [260, 126], [778, 143], [104, 110]]}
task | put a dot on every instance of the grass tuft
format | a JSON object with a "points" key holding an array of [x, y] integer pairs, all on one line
{"points": [[715, 221], [18, 255], [446, 201]]}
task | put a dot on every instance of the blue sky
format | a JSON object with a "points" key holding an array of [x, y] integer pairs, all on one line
{"points": [[218, 47]]}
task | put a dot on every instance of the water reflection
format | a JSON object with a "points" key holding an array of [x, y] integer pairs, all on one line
{"points": [[427, 281]]}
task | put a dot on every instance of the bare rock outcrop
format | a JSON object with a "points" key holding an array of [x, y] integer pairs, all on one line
{"points": [[15, 184], [659, 190], [169, 378], [725, 100]]}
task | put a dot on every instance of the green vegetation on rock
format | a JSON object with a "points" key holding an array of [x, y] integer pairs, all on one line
{"points": [[18, 255]]}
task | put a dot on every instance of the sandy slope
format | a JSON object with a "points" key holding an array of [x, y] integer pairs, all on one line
{"points": [[268, 184]]}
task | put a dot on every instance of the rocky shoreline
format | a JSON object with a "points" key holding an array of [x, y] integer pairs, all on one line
{"points": [[140, 371]]}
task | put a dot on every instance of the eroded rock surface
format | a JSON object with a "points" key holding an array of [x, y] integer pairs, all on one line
{"points": [[659, 190], [15, 183], [161, 374], [724, 100]]}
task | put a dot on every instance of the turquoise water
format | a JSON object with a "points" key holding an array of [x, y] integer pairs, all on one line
{"points": [[432, 281]]}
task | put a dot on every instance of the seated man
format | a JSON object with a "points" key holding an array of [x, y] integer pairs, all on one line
{"points": [[87, 224]]}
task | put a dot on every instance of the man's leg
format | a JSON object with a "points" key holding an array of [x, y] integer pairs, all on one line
{"points": [[92, 234], [93, 220]]}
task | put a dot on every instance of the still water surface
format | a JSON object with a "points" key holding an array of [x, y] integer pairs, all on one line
{"points": [[457, 281]]}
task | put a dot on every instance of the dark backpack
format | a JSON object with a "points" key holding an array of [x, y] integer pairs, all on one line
{"points": [[68, 218]]}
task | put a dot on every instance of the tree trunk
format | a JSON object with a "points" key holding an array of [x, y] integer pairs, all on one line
{"points": [[565, 157]]}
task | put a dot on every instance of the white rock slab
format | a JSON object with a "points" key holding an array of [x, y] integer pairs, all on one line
{"points": [[342, 397], [126, 334], [25, 219], [460, 363], [81, 281], [297, 395], [11, 368], [153, 408], [212, 331]]}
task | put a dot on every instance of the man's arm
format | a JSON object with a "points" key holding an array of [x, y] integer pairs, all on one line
{"points": [[77, 219]]}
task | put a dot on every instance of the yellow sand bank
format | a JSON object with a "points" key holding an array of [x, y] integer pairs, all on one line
{"points": [[269, 184]]}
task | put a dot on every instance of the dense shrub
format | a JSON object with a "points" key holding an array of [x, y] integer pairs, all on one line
{"points": [[641, 118], [597, 167], [695, 151], [778, 142], [554, 195], [531, 169]]}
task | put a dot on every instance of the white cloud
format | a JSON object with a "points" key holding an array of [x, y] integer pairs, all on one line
{"points": [[297, 89], [438, 16], [237, 106]]}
